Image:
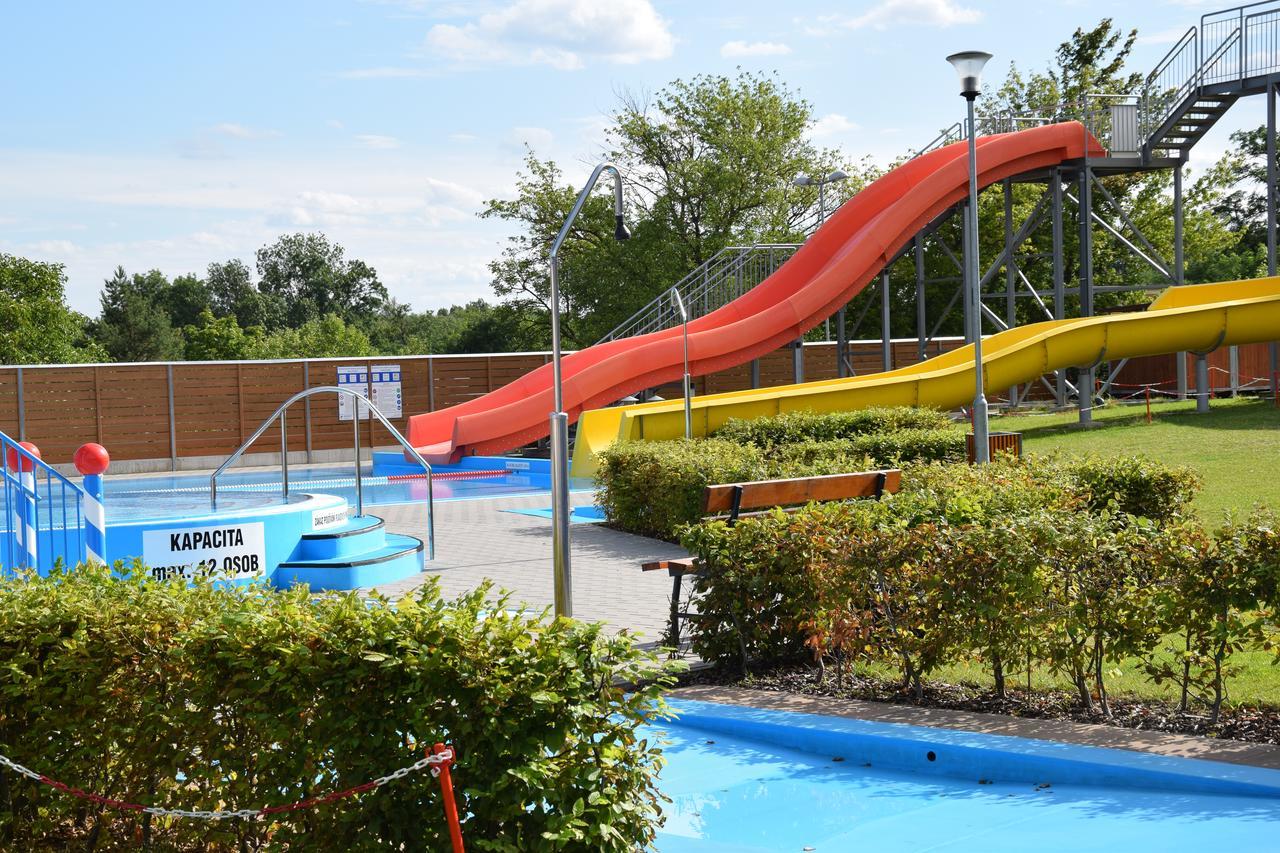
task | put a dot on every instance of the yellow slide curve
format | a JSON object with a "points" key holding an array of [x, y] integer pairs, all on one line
{"points": [[1194, 318]]}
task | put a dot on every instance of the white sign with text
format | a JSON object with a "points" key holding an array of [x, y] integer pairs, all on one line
{"points": [[231, 551]]}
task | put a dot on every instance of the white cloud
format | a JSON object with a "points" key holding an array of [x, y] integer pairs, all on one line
{"points": [[537, 138], [239, 131], [1169, 36], [377, 141], [564, 34], [890, 13], [832, 125], [420, 232], [735, 49]]}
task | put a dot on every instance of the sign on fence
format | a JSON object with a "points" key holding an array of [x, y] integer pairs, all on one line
{"points": [[355, 377], [386, 390], [383, 388]]}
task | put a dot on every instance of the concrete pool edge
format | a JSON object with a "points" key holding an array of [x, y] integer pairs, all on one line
{"points": [[963, 746]]}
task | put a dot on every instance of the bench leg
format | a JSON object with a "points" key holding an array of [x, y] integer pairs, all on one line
{"points": [[674, 630]]}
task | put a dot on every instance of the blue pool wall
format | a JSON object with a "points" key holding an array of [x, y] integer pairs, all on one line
{"points": [[975, 756], [283, 526]]}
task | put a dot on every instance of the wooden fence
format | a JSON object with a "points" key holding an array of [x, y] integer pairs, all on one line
{"points": [[205, 410]]}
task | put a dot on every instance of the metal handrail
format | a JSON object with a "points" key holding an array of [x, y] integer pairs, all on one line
{"points": [[284, 453], [694, 288]]}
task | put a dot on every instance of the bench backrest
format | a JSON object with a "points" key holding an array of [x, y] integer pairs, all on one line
{"points": [[734, 498]]}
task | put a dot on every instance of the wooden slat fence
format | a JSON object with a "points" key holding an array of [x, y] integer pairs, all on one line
{"points": [[217, 405]]}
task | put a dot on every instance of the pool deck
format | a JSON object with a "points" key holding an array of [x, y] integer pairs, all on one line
{"points": [[476, 539], [1063, 731]]}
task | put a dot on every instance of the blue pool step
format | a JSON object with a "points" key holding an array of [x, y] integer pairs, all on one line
{"points": [[359, 552]]}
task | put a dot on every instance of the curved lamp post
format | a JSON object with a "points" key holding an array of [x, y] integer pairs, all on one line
{"points": [[968, 65], [559, 418]]}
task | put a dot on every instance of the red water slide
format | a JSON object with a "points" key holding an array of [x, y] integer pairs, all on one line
{"points": [[832, 267]]}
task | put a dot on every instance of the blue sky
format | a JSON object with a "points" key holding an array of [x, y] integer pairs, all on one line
{"points": [[168, 135]]}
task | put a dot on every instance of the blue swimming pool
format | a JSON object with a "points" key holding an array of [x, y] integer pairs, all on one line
{"points": [[743, 779], [167, 495]]}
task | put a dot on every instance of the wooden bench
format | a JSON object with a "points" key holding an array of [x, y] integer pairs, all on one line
{"points": [[733, 501]]}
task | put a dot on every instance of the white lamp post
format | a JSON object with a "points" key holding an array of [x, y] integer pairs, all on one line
{"points": [[562, 574], [968, 65]]}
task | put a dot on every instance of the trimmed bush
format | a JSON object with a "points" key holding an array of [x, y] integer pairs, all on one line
{"points": [[654, 487], [1134, 485], [196, 697], [793, 427]]}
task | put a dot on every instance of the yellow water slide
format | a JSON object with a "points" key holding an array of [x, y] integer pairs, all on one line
{"points": [[1193, 318]]}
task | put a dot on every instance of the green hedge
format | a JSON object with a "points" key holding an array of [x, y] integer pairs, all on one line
{"points": [[1014, 563], [653, 488], [196, 697], [827, 426]]}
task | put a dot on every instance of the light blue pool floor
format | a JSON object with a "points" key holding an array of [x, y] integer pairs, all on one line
{"points": [[741, 795]]}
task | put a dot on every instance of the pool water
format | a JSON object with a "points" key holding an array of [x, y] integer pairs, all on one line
{"points": [[740, 794], [131, 498]]}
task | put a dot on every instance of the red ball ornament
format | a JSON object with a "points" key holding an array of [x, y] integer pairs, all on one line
{"points": [[92, 459], [17, 462]]}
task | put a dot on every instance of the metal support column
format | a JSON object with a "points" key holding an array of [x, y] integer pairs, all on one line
{"points": [[755, 373], [842, 345], [922, 316], [1010, 275], [967, 309], [1272, 177], [1178, 265], [797, 360], [173, 423], [1059, 275], [886, 334], [1087, 376], [22, 409], [1202, 383]]}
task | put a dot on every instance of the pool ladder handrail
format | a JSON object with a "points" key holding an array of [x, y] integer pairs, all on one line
{"points": [[360, 399]]}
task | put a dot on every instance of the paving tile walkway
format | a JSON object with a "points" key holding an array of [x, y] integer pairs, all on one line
{"points": [[476, 539]]}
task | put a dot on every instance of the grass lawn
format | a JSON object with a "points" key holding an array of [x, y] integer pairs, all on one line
{"points": [[1235, 447]]}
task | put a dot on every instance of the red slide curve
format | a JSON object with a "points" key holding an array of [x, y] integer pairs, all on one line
{"points": [[832, 267]]}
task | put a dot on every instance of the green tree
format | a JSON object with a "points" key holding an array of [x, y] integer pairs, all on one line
{"points": [[36, 326], [708, 162], [325, 337], [313, 278], [134, 323], [220, 339], [187, 297], [233, 293]]}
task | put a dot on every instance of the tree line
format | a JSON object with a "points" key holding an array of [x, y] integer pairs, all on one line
{"points": [[709, 163]]}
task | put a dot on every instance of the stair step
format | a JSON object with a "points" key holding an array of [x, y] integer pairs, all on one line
{"points": [[400, 557], [357, 535]]}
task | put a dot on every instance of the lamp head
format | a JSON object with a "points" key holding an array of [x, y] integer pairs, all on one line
{"points": [[968, 65], [802, 180], [837, 175], [620, 231]]}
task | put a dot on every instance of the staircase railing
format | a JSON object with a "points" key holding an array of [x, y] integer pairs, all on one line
{"points": [[359, 401], [724, 277], [43, 512]]}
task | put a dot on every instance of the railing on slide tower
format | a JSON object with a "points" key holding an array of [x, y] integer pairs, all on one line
{"points": [[43, 519], [1230, 46], [724, 277]]}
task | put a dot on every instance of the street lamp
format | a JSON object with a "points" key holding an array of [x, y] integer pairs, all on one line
{"points": [[562, 574], [968, 65], [803, 180]]}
